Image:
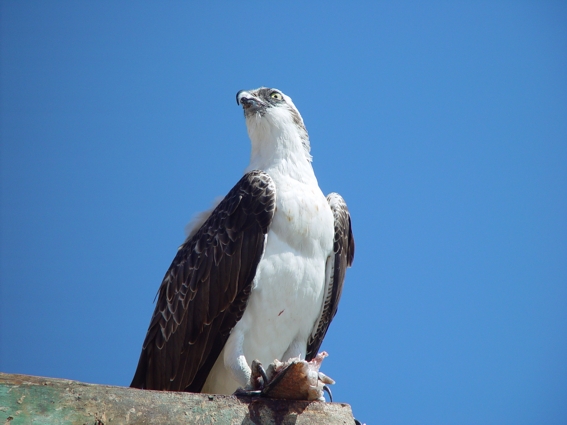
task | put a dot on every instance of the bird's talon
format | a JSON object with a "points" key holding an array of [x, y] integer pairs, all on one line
{"points": [[328, 391], [260, 369], [249, 393], [258, 380]]}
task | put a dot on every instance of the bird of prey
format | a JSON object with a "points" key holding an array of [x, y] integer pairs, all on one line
{"points": [[259, 276]]}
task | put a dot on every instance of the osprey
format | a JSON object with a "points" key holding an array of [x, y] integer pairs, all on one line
{"points": [[258, 277]]}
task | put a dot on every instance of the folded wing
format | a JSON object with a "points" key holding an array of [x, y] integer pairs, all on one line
{"points": [[205, 290], [337, 264]]}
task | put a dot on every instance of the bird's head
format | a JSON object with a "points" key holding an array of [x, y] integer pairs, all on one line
{"points": [[270, 115]]}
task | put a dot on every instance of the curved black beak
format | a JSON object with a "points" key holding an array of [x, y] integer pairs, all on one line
{"points": [[238, 96]]}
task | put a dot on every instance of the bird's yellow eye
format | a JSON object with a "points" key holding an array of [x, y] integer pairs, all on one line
{"points": [[276, 95]]}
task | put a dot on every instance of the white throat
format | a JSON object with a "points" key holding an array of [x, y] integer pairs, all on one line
{"points": [[279, 145]]}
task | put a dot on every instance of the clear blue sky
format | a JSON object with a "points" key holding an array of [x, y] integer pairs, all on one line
{"points": [[442, 124]]}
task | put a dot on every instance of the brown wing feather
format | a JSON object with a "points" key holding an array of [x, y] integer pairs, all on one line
{"points": [[343, 257], [205, 290]]}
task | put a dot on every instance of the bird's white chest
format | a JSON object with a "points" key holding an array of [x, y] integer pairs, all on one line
{"points": [[288, 289], [303, 219]]}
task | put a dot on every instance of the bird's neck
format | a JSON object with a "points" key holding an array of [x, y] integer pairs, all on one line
{"points": [[280, 150]]}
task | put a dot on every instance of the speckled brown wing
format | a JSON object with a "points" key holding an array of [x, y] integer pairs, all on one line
{"points": [[335, 272], [204, 293]]}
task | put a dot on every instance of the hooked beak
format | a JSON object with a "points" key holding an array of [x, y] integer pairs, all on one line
{"points": [[249, 102], [241, 94]]}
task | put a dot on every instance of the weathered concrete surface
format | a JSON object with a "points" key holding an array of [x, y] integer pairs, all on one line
{"points": [[34, 400]]}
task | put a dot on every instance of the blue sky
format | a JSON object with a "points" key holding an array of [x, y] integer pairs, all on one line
{"points": [[442, 124]]}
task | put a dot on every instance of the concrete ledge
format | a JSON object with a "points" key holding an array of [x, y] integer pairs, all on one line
{"points": [[35, 400]]}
